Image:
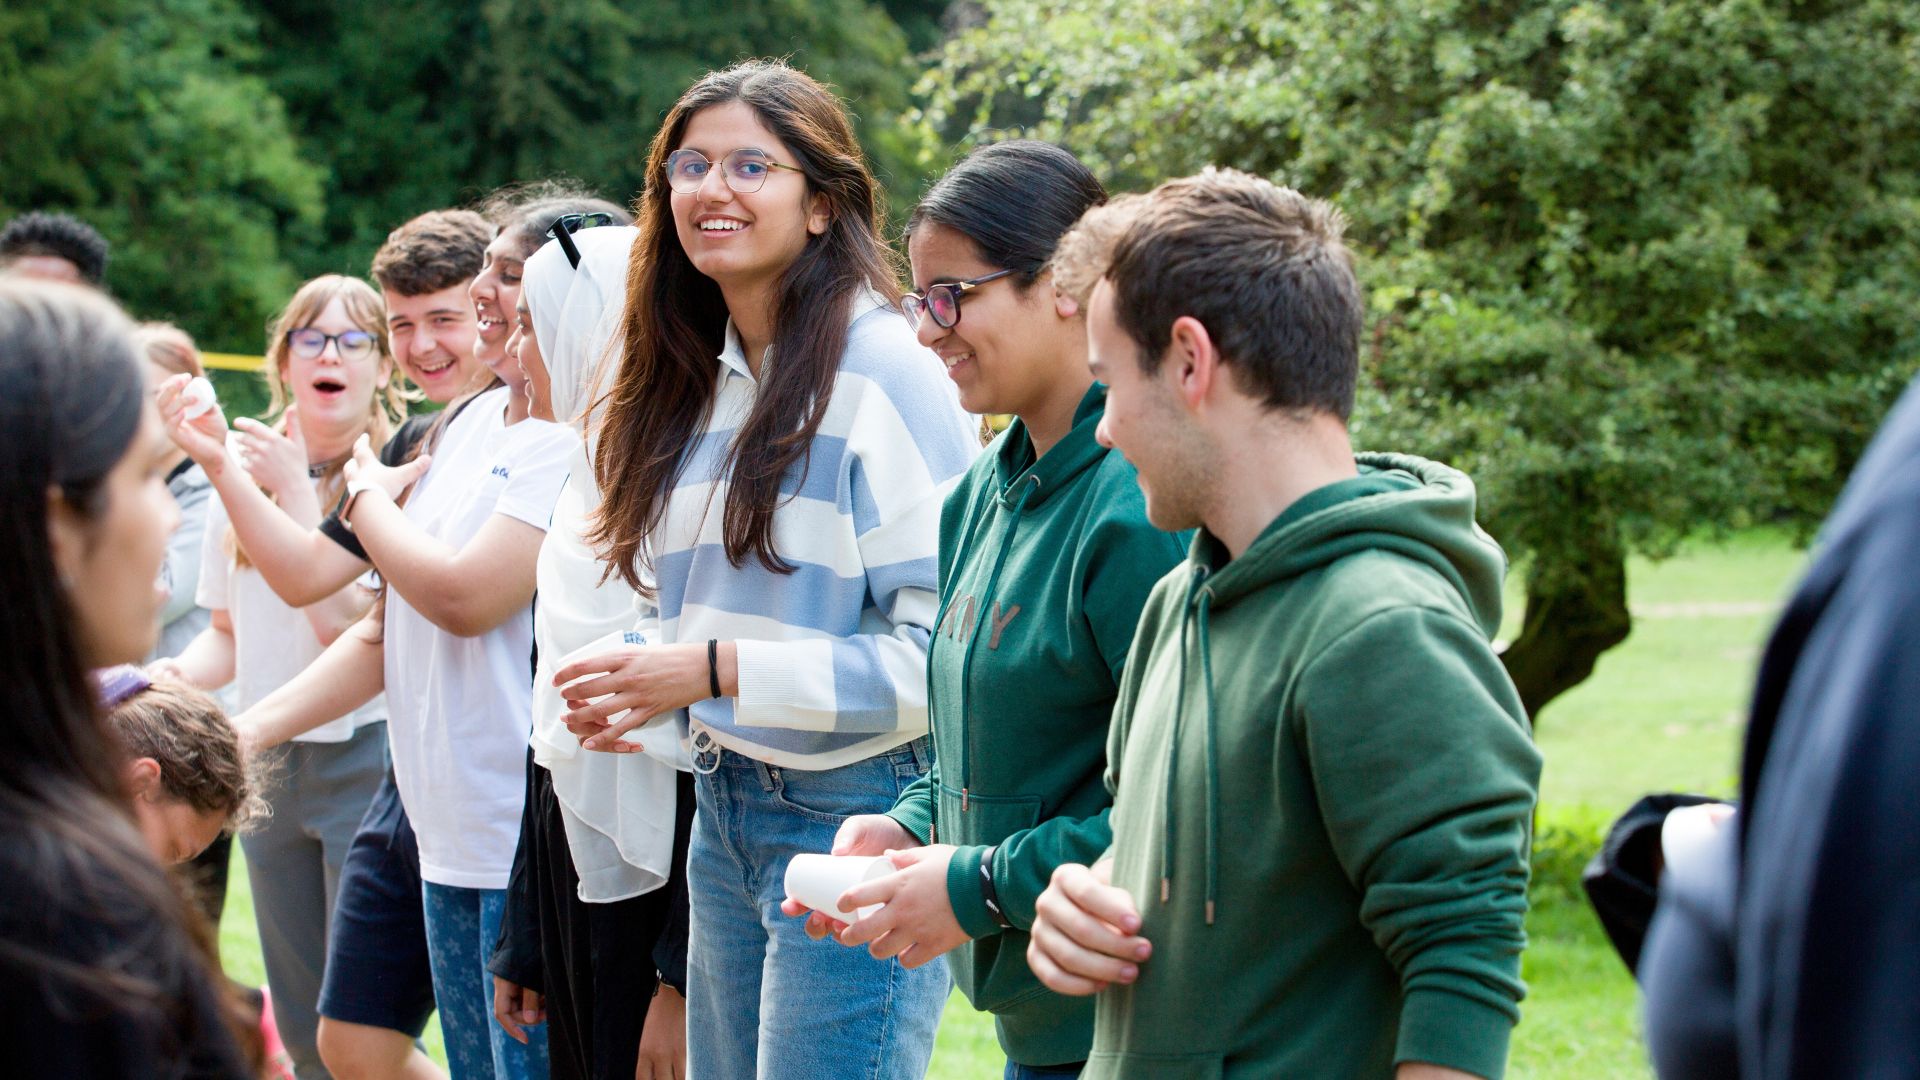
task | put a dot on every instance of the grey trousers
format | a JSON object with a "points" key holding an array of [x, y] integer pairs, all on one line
{"points": [[319, 793]]}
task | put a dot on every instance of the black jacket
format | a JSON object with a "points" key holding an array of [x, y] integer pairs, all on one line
{"points": [[1798, 955]]}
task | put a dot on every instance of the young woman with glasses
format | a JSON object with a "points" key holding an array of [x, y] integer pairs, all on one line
{"points": [[105, 969], [1046, 558], [331, 383], [772, 458]]}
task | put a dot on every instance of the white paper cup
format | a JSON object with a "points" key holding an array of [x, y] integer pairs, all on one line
{"points": [[818, 880], [598, 646], [1690, 831], [198, 396]]}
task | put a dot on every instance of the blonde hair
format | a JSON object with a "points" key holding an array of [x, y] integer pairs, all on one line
{"points": [[189, 737], [368, 310]]}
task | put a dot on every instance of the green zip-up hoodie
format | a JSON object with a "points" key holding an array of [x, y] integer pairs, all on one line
{"points": [[1323, 786], [1044, 566]]}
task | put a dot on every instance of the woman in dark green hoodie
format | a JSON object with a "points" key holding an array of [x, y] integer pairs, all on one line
{"points": [[1046, 558]]}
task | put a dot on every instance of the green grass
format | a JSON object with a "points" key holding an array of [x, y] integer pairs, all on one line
{"points": [[1663, 711]]}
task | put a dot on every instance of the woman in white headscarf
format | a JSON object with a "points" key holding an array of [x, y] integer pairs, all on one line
{"points": [[596, 930]]}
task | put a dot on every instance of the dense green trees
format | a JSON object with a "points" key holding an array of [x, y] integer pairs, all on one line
{"points": [[230, 148], [138, 117], [412, 104], [1644, 268]]}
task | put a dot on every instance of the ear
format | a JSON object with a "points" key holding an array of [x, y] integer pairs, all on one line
{"points": [[141, 776], [1192, 361], [1063, 305], [67, 533], [819, 214]]}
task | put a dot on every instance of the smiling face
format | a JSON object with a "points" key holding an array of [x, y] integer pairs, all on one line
{"points": [[495, 294], [1011, 349], [335, 392], [743, 240], [524, 345], [433, 338], [1145, 421]]}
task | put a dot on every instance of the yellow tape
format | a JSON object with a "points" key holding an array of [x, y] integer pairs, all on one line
{"points": [[233, 361]]}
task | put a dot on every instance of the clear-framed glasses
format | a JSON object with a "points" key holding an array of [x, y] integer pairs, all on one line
{"points": [[942, 301], [745, 170], [566, 225], [308, 343]]}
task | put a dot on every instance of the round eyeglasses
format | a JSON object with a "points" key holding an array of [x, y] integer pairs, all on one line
{"points": [[942, 301], [308, 343], [745, 170]]}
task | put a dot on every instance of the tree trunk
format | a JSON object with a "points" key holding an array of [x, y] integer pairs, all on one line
{"points": [[1569, 624]]}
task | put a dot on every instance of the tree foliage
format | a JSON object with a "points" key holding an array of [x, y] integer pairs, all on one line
{"points": [[1643, 268], [137, 118], [413, 104]]}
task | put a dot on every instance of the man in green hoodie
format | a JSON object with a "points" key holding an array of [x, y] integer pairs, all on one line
{"points": [[1323, 779]]}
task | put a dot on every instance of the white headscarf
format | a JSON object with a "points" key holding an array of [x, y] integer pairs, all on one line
{"points": [[618, 809], [577, 310]]}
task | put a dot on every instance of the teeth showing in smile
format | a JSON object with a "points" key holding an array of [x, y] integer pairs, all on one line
{"points": [[433, 369], [950, 361], [721, 225]]}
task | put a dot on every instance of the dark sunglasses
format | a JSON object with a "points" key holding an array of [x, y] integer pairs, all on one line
{"points": [[566, 225], [942, 301]]}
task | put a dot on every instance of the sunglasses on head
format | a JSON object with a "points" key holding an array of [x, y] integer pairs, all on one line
{"points": [[566, 225]]}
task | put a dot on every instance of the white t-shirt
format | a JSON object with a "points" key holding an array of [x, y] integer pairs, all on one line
{"points": [[461, 706], [271, 641]]}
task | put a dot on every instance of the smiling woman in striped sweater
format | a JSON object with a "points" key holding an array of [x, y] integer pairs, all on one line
{"points": [[773, 458]]}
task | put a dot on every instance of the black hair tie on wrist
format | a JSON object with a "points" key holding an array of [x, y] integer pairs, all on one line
{"points": [[713, 665]]}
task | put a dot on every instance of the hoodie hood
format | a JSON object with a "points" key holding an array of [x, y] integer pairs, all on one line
{"points": [[1075, 453], [1412, 507], [1430, 519]]}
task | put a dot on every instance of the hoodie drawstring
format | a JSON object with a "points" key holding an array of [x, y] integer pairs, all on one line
{"points": [[1213, 749], [1195, 590], [1028, 485]]}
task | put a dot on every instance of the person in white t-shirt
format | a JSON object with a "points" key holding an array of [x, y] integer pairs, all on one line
{"points": [[331, 382], [452, 648]]}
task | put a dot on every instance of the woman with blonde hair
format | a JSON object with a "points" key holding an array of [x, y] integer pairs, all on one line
{"points": [[331, 380]]}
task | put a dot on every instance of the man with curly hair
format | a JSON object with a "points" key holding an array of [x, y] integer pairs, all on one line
{"points": [[54, 246]]}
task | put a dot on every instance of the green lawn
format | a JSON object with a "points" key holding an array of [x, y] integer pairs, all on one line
{"points": [[1663, 711]]}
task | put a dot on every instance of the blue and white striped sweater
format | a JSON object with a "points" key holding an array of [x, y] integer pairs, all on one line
{"points": [[832, 656]]}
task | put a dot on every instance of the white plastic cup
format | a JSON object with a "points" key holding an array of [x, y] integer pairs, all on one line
{"points": [[1690, 832], [603, 644], [199, 397], [818, 880]]}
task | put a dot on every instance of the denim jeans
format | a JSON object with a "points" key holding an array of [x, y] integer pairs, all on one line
{"points": [[764, 1000], [462, 927], [1017, 1071]]}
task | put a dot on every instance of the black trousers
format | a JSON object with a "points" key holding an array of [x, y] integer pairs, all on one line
{"points": [[595, 964]]}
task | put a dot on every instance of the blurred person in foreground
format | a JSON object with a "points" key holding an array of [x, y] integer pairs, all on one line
{"points": [[105, 968]]}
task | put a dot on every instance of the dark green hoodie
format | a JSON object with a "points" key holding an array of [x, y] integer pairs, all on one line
{"points": [[1044, 566], [1323, 785]]}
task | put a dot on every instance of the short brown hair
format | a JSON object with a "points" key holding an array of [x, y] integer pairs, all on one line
{"points": [[1262, 267], [189, 737], [435, 251]]}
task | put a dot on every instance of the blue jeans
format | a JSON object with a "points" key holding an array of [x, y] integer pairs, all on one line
{"points": [[1017, 1071], [462, 927], [763, 999]]}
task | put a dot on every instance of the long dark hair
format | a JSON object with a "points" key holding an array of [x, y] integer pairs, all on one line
{"points": [[71, 399], [1014, 200], [675, 324]]}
